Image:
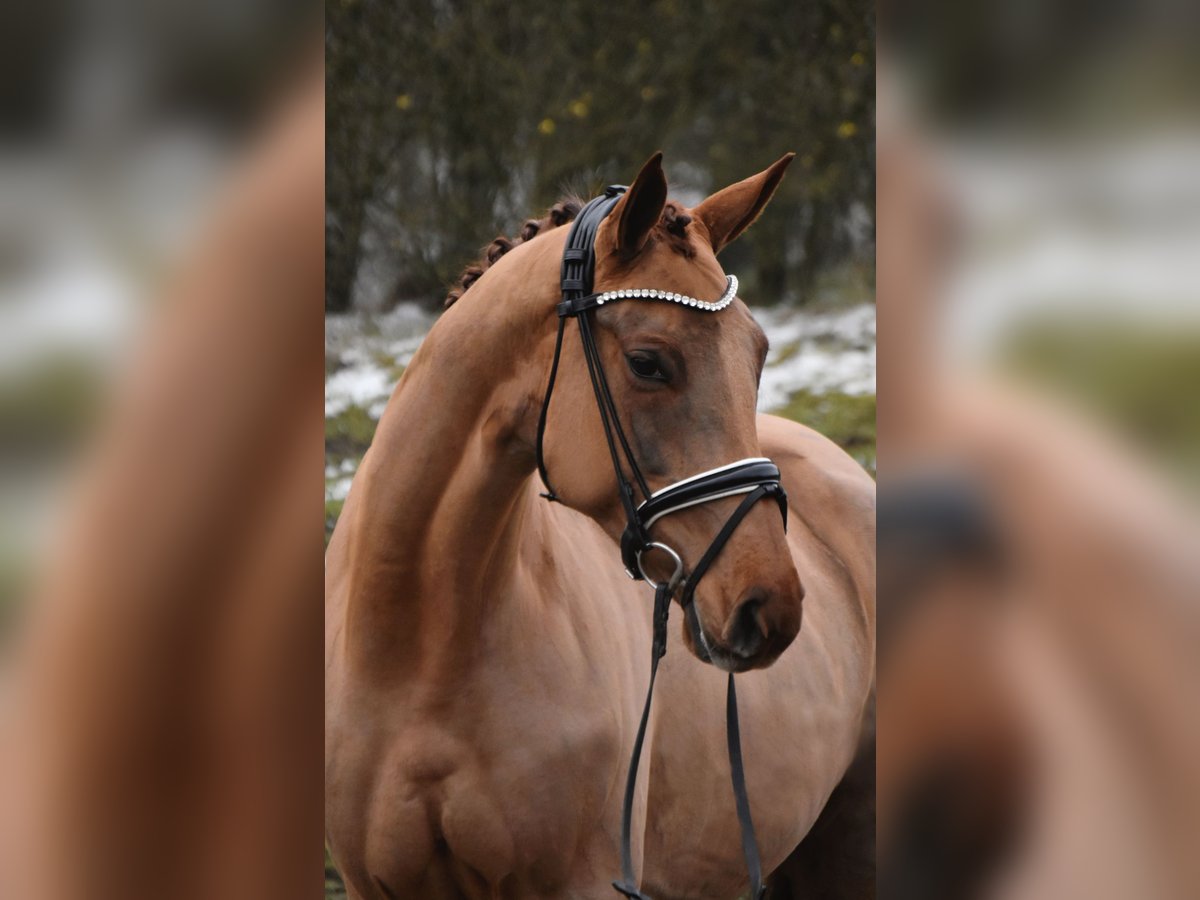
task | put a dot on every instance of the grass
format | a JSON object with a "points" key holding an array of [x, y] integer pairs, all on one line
{"points": [[846, 419], [1136, 379], [348, 434], [347, 437], [334, 888], [333, 509]]}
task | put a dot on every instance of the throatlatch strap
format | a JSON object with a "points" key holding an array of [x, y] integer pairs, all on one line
{"points": [[549, 493], [628, 883]]}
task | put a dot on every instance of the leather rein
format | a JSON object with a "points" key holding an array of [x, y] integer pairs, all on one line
{"points": [[753, 479]]}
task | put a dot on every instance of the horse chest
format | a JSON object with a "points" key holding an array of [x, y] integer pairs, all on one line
{"points": [[503, 783]]}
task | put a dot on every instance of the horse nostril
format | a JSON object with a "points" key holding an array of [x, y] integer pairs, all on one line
{"points": [[744, 636]]}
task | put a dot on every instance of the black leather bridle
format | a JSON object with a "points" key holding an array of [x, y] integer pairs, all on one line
{"points": [[753, 479]]}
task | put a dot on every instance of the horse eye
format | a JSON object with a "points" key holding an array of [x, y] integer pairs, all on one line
{"points": [[646, 367]]}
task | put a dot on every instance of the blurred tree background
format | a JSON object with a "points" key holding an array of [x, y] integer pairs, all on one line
{"points": [[449, 121]]}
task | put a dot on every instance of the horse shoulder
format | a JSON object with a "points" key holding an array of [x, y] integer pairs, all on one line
{"points": [[827, 487], [834, 500]]}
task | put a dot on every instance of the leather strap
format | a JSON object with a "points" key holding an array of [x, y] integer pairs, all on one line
{"points": [[710, 555], [548, 493], [662, 600], [733, 741], [577, 273], [568, 309], [628, 883], [740, 477], [611, 421]]}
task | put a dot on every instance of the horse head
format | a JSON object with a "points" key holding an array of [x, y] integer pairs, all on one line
{"points": [[684, 384]]}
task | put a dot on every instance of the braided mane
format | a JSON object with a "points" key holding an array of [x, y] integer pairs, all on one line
{"points": [[673, 226], [562, 212]]}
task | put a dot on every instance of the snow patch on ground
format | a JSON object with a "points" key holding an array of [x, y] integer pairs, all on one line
{"points": [[817, 352], [370, 351], [361, 384]]}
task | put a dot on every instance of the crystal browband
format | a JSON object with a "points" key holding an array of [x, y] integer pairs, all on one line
{"points": [[574, 307]]}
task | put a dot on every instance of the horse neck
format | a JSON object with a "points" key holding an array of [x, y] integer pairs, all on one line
{"points": [[436, 511]]}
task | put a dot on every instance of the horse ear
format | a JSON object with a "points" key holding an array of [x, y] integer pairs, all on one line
{"points": [[639, 210], [730, 211]]}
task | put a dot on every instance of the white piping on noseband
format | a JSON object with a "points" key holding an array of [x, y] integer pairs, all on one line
{"points": [[699, 475], [731, 286], [707, 497]]}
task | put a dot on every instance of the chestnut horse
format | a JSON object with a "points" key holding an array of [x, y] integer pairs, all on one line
{"points": [[486, 655]]}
